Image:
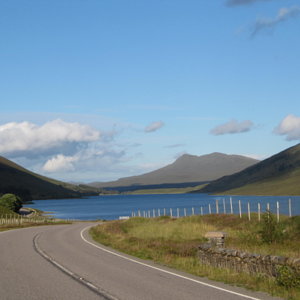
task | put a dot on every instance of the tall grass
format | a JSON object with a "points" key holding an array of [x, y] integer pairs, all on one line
{"points": [[174, 242]]}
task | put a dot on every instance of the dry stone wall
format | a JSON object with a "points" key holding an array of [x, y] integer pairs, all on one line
{"points": [[245, 262]]}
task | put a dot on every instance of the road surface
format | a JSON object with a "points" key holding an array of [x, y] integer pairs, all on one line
{"points": [[62, 262]]}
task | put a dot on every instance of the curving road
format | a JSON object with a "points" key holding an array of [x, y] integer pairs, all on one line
{"points": [[62, 262]]}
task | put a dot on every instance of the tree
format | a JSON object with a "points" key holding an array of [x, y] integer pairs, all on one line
{"points": [[11, 202]]}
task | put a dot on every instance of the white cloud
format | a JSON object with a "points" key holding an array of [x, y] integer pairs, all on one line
{"points": [[269, 23], [154, 126], [290, 127], [25, 138], [60, 163], [232, 127]]}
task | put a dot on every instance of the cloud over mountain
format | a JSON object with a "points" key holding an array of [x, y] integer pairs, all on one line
{"points": [[290, 127], [27, 139], [232, 127]]}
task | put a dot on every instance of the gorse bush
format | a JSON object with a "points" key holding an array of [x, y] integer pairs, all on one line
{"points": [[271, 231]]}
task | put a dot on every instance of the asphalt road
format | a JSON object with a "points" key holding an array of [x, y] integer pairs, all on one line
{"points": [[62, 262]]}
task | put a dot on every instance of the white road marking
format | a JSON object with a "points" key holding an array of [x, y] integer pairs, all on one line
{"points": [[162, 270]]}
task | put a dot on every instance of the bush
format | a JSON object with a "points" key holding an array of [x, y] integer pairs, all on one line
{"points": [[11, 202], [287, 277], [271, 231]]}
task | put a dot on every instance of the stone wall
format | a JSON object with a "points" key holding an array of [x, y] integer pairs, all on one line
{"points": [[245, 262]]}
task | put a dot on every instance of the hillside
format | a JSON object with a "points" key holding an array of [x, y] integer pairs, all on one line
{"points": [[277, 175], [188, 169], [28, 185]]}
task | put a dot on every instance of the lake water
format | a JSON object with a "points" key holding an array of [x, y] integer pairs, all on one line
{"points": [[113, 206]]}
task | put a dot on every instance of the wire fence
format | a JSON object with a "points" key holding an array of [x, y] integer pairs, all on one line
{"points": [[221, 206]]}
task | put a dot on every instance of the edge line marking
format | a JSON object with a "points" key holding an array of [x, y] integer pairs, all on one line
{"points": [[162, 270]]}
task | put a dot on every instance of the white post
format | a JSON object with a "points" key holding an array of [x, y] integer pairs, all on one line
{"points": [[201, 208], [258, 211], [224, 206], [144, 214], [153, 213], [171, 213], [209, 209], [231, 207], [249, 216], [158, 212], [184, 212], [240, 208], [177, 212], [277, 210], [149, 214], [193, 211], [139, 213], [217, 206], [164, 211], [268, 206], [290, 208]]}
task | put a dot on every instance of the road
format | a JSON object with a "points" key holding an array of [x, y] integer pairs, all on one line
{"points": [[62, 262]]}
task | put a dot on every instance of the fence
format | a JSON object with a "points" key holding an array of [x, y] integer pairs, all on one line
{"points": [[219, 207], [18, 220]]}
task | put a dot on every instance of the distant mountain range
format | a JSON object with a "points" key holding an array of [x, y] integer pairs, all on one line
{"points": [[186, 169], [30, 186], [277, 175]]}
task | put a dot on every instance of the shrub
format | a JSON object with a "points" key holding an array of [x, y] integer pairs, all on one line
{"points": [[271, 231], [11, 202], [287, 277]]}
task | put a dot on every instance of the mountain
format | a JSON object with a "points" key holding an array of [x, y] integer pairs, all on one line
{"points": [[31, 186], [277, 175], [188, 169]]}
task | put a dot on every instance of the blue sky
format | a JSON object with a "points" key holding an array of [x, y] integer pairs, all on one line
{"points": [[96, 90]]}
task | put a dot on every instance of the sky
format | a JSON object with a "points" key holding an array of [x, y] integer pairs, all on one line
{"points": [[96, 90]]}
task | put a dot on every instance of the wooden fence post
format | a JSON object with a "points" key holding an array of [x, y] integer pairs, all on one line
{"points": [[240, 208]]}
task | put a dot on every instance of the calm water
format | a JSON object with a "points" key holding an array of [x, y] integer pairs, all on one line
{"points": [[114, 206]]}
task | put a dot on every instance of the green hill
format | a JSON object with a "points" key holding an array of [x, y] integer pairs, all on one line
{"points": [[277, 175], [187, 169], [31, 186]]}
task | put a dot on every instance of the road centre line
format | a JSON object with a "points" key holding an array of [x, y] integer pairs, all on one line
{"points": [[162, 270]]}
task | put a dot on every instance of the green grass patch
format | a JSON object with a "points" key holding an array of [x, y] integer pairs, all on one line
{"points": [[167, 190], [174, 242]]}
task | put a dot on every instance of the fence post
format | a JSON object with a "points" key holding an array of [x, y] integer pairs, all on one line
{"points": [[201, 208], [277, 211], [258, 211], [153, 213], [231, 207], [177, 212], [193, 211], [158, 212], [184, 212], [164, 212], [139, 213], [240, 208], [249, 216], [171, 213], [290, 208], [217, 206], [209, 209], [224, 206]]}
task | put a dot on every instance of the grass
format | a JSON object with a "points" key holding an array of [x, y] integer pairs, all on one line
{"points": [[37, 220], [166, 190], [174, 242], [287, 184]]}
